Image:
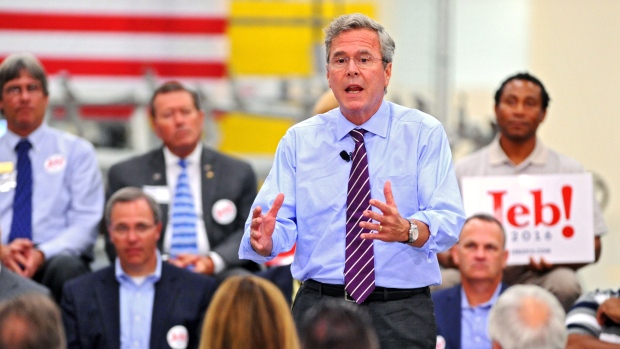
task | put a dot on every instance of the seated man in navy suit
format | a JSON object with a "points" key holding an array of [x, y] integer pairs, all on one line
{"points": [[462, 311], [139, 301]]}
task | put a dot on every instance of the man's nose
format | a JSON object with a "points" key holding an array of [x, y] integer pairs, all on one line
{"points": [[179, 117], [519, 109], [352, 68], [24, 94]]}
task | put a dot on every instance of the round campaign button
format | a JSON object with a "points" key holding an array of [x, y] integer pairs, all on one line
{"points": [[178, 337], [224, 211], [55, 163], [441, 343]]}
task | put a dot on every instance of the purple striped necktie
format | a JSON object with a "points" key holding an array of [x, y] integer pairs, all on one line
{"points": [[359, 266]]}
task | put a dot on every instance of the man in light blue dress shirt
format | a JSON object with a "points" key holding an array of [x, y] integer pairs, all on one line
{"points": [[462, 311], [417, 210], [67, 190]]}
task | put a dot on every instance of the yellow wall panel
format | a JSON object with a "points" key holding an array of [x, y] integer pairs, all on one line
{"points": [[272, 8], [276, 37], [270, 50], [251, 134]]}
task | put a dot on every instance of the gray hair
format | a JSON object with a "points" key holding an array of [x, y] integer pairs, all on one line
{"points": [[510, 320], [13, 65], [130, 194], [31, 321], [360, 21], [489, 219]]}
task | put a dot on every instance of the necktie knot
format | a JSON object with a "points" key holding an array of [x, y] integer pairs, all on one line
{"points": [[358, 134], [183, 163], [23, 145]]}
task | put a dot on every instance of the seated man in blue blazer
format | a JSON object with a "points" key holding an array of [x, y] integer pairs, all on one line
{"points": [[462, 311], [139, 301]]}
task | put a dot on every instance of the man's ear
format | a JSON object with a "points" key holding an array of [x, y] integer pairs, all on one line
{"points": [[542, 115], [504, 259], [159, 227], [455, 254]]}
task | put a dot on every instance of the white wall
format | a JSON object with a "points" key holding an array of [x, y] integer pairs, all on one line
{"points": [[571, 45]]}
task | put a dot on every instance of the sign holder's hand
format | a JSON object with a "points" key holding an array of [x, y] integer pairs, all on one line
{"points": [[263, 225], [541, 266]]}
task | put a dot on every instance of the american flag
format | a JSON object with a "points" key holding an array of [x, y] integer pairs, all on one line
{"points": [[106, 47]]}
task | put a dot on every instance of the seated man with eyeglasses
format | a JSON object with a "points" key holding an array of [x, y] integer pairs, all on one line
{"points": [[139, 301], [51, 191]]}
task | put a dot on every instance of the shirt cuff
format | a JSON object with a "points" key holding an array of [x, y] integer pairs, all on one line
{"points": [[218, 262]]}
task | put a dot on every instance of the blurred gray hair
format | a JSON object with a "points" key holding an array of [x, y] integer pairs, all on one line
{"points": [[510, 329], [13, 65], [360, 21], [485, 217], [31, 321], [130, 194]]}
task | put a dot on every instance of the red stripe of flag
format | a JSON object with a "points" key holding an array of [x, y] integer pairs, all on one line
{"points": [[134, 68], [120, 111], [112, 23], [107, 111]]}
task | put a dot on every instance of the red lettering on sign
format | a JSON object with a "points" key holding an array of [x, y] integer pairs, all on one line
{"points": [[516, 211], [498, 212], [539, 207], [519, 214]]}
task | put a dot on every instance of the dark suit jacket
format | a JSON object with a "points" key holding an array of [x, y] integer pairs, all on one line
{"points": [[91, 307], [223, 177], [448, 314], [12, 285]]}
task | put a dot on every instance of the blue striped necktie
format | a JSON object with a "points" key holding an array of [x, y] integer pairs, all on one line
{"points": [[21, 225], [359, 266], [183, 216]]}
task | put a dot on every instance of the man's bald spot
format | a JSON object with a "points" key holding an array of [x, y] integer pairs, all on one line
{"points": [[534, 312], [14, 330]]}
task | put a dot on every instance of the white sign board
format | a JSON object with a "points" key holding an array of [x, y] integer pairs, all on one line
{"points": [[548, 216]]}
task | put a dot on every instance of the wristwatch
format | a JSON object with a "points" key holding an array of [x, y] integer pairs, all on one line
{"points": [[413, 233]]}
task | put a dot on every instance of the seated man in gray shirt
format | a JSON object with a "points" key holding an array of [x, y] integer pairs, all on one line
{"points": [[520, 107]]}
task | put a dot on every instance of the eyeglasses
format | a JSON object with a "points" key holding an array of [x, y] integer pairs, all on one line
{"points": [[123, 229], [362, 61], [17, 90]]}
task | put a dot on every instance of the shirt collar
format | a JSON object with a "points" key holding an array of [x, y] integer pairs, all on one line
{"points": [[498, 157], [487, 304], [377, 124], [121, 275], [192, 158], [35, 138]]}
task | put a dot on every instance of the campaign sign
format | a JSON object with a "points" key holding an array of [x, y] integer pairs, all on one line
{"points": [[548, 216]]}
